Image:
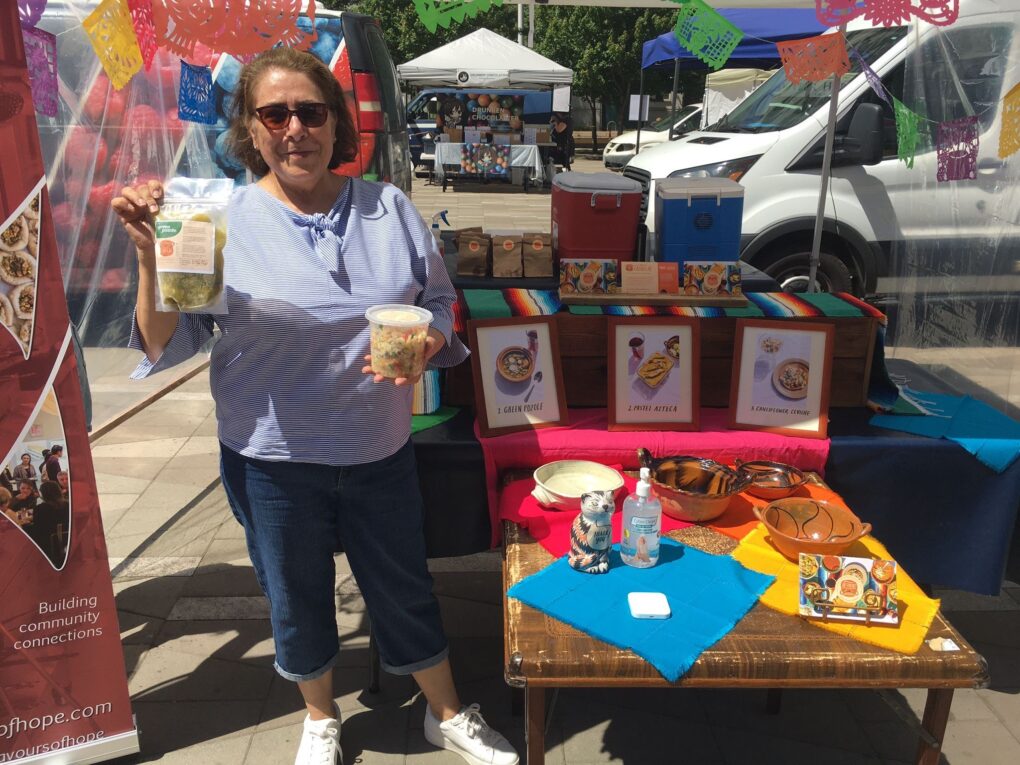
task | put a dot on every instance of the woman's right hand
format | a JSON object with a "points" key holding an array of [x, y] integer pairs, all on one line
{"points": [[136, 207]]}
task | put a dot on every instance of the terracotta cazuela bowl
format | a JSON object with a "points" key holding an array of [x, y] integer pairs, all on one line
{"points": [[802, 524], [771, 480], [691, 488]]}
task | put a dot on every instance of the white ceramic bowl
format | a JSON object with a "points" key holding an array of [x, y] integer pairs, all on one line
{"points": [[559, 485]]}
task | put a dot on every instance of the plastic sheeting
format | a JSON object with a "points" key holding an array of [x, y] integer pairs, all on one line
{"points": [[953, 290], [103, 139]]}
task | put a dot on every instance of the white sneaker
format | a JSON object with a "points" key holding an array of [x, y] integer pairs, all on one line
{"points": [[320, 742], [470, 736]]}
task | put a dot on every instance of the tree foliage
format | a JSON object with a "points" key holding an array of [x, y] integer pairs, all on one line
{"points": [[408, 38], [603, 47]]}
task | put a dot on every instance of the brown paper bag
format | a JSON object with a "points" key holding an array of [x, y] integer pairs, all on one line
{"points": [[506, 256], [537, 255], [473, 252]]}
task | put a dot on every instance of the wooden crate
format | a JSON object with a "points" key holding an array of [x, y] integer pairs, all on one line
{"points": [[584, 349]]}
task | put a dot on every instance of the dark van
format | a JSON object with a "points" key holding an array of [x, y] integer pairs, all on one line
{"points": [[437, 109]]}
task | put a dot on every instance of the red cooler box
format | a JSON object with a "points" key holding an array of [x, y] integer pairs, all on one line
{"points": [[595, 215]]}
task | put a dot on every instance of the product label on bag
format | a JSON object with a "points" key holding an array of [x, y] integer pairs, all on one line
{"points": [[185, 245]]}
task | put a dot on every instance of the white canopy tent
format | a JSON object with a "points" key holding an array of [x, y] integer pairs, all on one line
{"points": [[726, 88], [484, 59]]}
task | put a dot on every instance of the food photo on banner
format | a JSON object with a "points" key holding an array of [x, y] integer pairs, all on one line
{"points": [[518, 381], [653, 374], [63, 686], [780, 379]]}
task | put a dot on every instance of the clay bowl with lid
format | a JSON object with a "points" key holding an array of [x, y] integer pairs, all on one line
{"points": [[692, 489], [802, 524], [771, 480]]}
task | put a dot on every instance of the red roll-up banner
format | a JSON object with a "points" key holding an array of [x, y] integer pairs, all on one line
{"points": [[63, 688]]}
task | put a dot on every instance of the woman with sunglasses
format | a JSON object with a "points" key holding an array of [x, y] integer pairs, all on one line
{"points": [[315, 449]]}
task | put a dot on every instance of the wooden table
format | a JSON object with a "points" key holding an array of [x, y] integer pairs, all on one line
{"points": [[766, 649]]}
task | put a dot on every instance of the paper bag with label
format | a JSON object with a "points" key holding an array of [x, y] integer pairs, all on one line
{"points": [[537, 255], [506, 255], [473, 253]]}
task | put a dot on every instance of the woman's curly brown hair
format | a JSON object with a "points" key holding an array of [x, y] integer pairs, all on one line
{"points": [[242, 112]]}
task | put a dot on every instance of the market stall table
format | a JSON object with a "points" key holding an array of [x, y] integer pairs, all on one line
{"points": [[521, 155], [946, 517], [766, 649]]}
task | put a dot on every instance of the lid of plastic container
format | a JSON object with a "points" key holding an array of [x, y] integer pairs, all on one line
{"points": [[396, 315], [685, 188], [596, 182]]}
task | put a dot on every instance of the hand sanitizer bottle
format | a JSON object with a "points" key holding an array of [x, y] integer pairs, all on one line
{"points": [[642, 520], [436, 233]]}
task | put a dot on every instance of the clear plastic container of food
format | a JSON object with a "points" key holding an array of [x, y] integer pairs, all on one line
{"points": [[398, 334]]}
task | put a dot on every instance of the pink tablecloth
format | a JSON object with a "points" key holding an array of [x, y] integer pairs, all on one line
{"points": [[587, 438]]}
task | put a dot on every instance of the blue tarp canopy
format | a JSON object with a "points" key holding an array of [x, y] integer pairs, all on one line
{"points": [[768, 24]]}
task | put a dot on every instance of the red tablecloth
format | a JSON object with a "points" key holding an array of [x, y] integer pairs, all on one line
{"points": [[586, 437], [551, 528]]}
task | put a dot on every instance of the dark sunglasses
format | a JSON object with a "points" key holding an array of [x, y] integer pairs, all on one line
{"points": [[277, 116]]}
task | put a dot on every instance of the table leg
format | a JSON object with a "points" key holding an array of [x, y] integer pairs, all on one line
{"points": [[936, 715], [534, 724]]}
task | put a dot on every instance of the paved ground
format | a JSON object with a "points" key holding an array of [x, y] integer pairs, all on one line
{"points": [[198, 647]]}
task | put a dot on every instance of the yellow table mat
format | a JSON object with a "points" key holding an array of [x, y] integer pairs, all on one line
{"points": [[916, 609]]}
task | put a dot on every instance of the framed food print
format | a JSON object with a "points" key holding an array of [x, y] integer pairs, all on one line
{"points": [[653, 373], [518, 381], [780, 380]]}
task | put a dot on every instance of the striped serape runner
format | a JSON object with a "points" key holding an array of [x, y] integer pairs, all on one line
{"points": [[489, 304]]}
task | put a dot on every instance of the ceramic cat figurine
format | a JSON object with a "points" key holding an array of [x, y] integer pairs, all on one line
{"points": [[591, 533]]}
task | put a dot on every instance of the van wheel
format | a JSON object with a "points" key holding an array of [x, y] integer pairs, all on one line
{"points": [[792, 268]]}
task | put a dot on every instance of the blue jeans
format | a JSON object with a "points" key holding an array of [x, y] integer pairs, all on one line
{"points": [[296, 516]]}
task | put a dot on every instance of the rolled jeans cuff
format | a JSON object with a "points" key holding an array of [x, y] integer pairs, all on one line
{"points": [[418, 666], [311, 675]]}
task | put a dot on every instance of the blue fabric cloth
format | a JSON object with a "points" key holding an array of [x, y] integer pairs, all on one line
{"points": [[768, 23], [989, 435], [286, 371], [707, 595]]}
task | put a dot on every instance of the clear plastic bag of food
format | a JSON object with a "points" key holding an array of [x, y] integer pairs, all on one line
{"points": [[191, 232]]}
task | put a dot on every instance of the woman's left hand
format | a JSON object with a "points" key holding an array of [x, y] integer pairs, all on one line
{"points": [[433, 344]]}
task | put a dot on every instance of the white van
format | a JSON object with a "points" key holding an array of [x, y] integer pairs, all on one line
{"points": [[621, 149], [772, 144]]}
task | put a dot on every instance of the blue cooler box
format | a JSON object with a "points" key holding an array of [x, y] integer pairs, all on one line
{"points": [[698, 219]]}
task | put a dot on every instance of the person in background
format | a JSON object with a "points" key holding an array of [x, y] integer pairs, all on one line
{"points": [[5, 505], [50, 522], [53, 463], [42, 463], [563, 136], [7, 479], [65, 488], [315, 447], [25, 471], [26, 498]]}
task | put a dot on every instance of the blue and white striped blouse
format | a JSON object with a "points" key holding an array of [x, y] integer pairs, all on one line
{"points": [[286, 373]]}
